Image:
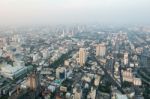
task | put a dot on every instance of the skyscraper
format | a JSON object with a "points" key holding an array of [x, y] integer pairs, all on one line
{"points": [[125, 58], [100, 50], [82, 56]]}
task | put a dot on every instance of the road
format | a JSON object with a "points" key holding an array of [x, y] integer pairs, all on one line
{"points": [[110, 77]]}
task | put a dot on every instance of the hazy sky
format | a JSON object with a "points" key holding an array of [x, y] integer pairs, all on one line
{"points": [[74, 11]]}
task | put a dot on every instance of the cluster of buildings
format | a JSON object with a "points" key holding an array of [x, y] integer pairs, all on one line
{"points": [[73, 63]]}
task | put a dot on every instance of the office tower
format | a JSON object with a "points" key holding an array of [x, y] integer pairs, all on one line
{"points": [[100, 50], [125, 58], [82, 56]]}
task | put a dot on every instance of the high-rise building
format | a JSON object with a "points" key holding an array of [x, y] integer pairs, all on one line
{"points": [[61, 73], [100, 50], [82, 56], [33, 81], [125, 58]]}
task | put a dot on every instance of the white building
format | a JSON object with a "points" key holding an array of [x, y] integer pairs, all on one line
{"points": [[12, 72], [66, 63], [137, 81], [101, 50], [93, 93], [35, 57], [45, 53], [125, 58], [127, 75]]}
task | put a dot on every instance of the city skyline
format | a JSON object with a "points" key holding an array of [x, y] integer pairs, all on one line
{"points": [[74, 49]]}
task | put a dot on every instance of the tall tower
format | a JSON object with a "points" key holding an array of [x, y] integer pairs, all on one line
{"points": [[125, 58], [82, 56], [100, 50], [33, 80]]}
